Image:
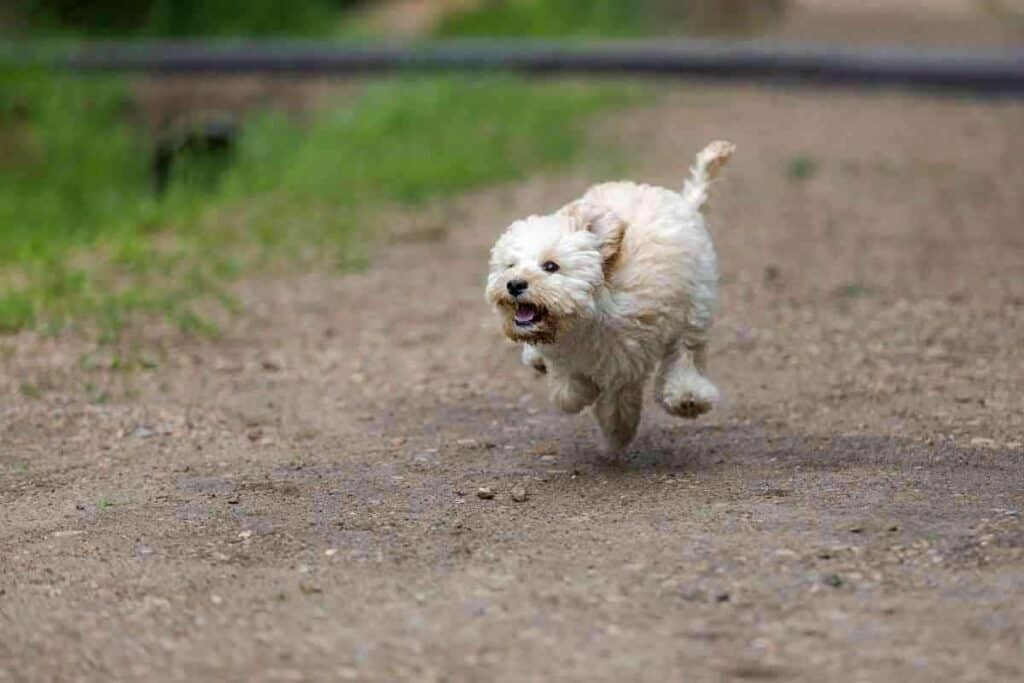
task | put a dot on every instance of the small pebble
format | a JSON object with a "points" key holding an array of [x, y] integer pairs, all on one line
{"points": [[485, 493], [425, 458], [143, 432], [66, 533], [519, 494]]}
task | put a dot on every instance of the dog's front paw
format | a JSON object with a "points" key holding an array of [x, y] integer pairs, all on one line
{"points": [[533, 359], [694, 397]]}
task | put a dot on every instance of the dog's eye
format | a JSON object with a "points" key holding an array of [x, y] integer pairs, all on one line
{"points": [[550, 267]]}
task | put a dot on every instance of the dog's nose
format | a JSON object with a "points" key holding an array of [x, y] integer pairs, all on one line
{"points": [[517, 287]]}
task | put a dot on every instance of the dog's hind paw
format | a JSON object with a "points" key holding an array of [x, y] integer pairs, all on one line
{"points": [[697, 397], [689, 408]]}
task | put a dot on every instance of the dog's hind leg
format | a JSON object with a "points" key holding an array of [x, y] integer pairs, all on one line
{"points": [[681, 387], [618, 415]]}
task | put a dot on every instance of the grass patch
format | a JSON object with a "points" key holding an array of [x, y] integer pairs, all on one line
{"points": [[610, 18], [16, 311], [802, 168], [32, 391], [853, 290], [567, 18], [87, 238]]}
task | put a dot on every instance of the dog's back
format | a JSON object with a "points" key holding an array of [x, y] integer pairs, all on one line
{"points": [[666, 267]]}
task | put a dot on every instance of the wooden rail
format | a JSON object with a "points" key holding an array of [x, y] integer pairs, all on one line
{"points": [[997, 73]]}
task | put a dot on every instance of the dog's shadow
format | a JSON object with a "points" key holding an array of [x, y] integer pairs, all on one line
{"points": [[707, 449]]}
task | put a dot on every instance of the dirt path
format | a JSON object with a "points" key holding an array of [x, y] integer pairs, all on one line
{"points": [[297, 501]]}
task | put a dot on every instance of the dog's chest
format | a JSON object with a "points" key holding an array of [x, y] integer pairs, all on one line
{"points": [[608, 355]]}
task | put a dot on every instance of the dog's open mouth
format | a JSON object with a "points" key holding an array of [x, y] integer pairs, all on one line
{"points": [[528, 314]]}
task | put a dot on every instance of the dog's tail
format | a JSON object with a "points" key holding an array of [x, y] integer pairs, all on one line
{"points": [[709, 162]]}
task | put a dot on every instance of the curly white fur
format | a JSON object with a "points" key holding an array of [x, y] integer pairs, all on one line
{"points": [[610, 286]]}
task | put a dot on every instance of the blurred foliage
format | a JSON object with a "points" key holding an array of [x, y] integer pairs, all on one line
{"points": [[86, 237], [608, 18], [72, 162], [498, 18], [182, 17], [545, 18]]}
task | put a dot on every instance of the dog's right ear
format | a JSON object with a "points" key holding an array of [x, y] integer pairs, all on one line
{"points": [[603, 222]]}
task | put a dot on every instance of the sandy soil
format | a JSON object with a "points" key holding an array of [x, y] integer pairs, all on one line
{"points": [[297, 501]]}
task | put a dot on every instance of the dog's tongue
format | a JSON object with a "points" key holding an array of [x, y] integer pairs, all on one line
{"points": [[525, 313]]}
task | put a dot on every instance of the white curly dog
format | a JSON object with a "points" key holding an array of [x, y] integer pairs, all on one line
{"points": [[609, 286]]}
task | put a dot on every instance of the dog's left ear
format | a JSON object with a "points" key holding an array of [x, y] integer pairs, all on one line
{"points": [[604, 223]]}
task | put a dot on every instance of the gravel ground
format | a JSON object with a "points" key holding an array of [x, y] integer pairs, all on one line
{"points": [[305, 499]]}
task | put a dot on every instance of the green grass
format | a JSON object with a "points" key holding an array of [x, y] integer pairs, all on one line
{"points": [[88, 242], [853, 290], [566, 18], [592, 19], [801, 168]]}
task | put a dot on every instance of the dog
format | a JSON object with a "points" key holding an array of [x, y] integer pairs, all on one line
{"points": [[610, 286]]}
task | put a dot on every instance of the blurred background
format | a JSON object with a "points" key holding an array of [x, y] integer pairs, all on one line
{"points": [[125, 194], [249, 384]]}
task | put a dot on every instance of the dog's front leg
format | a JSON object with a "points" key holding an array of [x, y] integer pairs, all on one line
{"points": [[571, 392], [532, 359], [618, 415]]}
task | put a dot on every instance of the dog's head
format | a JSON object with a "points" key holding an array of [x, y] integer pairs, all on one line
{"points": [[546, 270]]}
